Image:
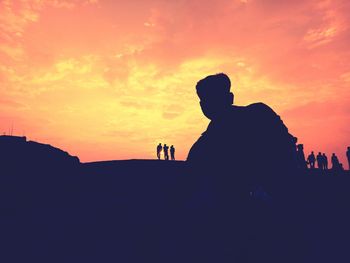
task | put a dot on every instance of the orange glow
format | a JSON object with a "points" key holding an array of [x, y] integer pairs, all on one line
{"points": [[111, 79]]}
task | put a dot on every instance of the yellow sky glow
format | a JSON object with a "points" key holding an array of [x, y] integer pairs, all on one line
{"points": [[111, 79]]}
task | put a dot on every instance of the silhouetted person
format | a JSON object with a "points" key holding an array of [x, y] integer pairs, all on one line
{"points": [[311, 160], [348, 156], [172, 152], [319, 159], [221, 158], [165, 151], [325, 161], [237, 131], [335, 162], [159, 150], [301, 156]]}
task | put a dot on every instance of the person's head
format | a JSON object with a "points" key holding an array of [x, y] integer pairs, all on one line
{"points": [[214, 94], [312, 152]]}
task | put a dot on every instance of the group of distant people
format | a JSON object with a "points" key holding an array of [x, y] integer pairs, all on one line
{"points": [[321, 160], [165, 149]]}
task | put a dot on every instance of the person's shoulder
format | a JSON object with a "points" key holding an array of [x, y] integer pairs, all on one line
{"points": [[266, 116], [262, 112], [260, 107]]}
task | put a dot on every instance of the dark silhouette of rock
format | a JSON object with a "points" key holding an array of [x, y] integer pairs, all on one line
{"points": [[348, 156], [17, 154], [144, 211], [38, 190], [55, 209]]}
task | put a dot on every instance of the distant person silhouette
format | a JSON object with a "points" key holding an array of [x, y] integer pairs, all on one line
{"points": [[166, 152], [319, 159], [335, 162], [172, 152], [159, 150], [301, 156], [311, 160], [348, 156], [325, 161]]}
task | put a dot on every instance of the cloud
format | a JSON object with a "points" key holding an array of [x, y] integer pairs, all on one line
{"points": [[16, 16], [319, 110], [332, 23], [172, 111], [116, 66], [10, 103], [137, 104]]}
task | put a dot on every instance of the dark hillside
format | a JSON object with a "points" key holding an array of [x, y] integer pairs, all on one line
{"points": [[55, 209]]}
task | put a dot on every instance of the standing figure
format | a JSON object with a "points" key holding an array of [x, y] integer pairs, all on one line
{"points": [[172, 152], [166, 153], [301, 156], [335, 162], [325, 161], [348, 156], [319, 160], [220, 160], [159, 150], [311, 160]]}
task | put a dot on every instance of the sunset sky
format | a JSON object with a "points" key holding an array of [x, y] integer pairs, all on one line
{"points": [[111, 79]]}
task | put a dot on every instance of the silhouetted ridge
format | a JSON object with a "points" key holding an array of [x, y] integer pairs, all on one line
{"points": [[17, 154]]}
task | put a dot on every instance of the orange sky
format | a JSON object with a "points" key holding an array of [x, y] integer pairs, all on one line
{"points": [[111, 79]]}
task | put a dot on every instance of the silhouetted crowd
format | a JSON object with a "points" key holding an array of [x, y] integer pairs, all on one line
{"points": [[165, 149], [312, 161], [321, 160]]}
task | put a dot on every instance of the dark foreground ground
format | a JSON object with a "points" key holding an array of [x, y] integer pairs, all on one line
{"points": [[143, 211]]}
